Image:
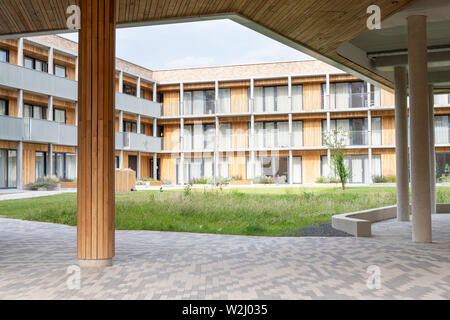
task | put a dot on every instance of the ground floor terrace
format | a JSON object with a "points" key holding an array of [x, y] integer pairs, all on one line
{"points": [[166, 265]]}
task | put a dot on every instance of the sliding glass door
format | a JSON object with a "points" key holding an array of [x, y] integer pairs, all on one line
{"points": [[8, 169]]}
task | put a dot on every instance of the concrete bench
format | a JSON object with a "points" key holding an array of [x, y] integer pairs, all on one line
{"points": [[359, 223]]}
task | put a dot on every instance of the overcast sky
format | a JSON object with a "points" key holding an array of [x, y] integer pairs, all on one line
{"points": [[198, 44]]}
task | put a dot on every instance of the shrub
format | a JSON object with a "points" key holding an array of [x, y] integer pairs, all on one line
{"points": [[219, 181], [327, 180], [199, 181], [47, 183], [379, 179], [263, 180], [236, 178], [391, 179], [166, 182]]}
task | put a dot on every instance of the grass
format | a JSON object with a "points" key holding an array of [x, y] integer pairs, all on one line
{"points": [[259, 211]]}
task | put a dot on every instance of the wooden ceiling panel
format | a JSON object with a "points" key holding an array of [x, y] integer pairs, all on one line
{"points": [[319, 25]]}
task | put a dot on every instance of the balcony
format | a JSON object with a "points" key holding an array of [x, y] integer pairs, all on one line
{"points": [[132, 104], [44, 131], [10, 128], [138, 142], [17, 77]]}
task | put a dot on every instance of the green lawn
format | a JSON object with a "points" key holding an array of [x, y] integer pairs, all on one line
{"points": [[262, 211]]}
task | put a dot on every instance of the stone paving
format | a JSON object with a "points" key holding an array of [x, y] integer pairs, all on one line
{"points": [[34, 258]]}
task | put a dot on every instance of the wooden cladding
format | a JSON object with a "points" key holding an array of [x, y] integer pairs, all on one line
{"points": [[96, 148]]}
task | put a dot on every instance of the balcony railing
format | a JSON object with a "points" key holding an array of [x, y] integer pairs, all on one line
{"points": [[138, 142], [131, 104], [44, 131], [10, 128], [15, 76]]}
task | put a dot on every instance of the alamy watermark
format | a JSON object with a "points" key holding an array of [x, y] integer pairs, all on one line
{"points": [[374, 280], [74, 279], [73, 22]]}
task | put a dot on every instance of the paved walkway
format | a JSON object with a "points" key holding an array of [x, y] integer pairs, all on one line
{"points": [[34, 258]]}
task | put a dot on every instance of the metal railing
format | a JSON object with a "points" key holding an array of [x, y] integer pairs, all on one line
{"points": [[44, 131]]}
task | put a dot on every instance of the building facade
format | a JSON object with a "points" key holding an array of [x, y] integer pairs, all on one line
{"points": [[181, 126]]}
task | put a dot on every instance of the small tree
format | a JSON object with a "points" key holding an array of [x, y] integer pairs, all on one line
{"points": [[335, 141]]}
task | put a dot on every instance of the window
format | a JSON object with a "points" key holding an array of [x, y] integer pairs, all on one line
{"points": [[59, 115], [60, 71], [276, 134], [41, 164], [36, 64], [274, 167], [276, 99], [375, 96], [199, 137], [35, 112], [8, 168], [65, 166], [225, 134], [357, 130], [199, 102], [142, 93], [442, 99], [358, 165], [129, 126], [196, 168], [117, 162], [441, 129], [4, 55], [127, 89], [4, 110], [345, 95], [224, 103]]}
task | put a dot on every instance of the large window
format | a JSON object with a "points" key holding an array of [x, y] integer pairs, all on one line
{"points": [[41, 164], [442, 99], [196, 168], [129, 126], [59, 115], [4, 110], [276, 134], [359, 167], [442, 129], [275, 167], [346, 95], [199, 102], [443, 164], [199, 137], [35, 112], [276, 99], [36, 64], [4, 55], [60, 71], [8, 168], [130, 90], [224, 103], [356, 130], [65, 166]]}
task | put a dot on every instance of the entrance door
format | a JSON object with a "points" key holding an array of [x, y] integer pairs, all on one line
{"points": [[158, 172], [132, 163]]}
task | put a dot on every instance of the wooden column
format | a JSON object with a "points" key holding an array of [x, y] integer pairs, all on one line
{"points": [[96, 143]]}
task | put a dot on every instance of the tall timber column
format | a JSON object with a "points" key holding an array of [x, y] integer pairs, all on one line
{"points": [[96, 146], [432, 148], [401, 144], [420, 135]]}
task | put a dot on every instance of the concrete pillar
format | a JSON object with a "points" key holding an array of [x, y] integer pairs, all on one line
{"points": [[138, 169], [252, 145], [181, 165], [121, 159], [155, 127], [120, 81], [291, 167], [419, 129], [138, 125], [252, 96], [19, 175], [50, 160], [329, 150], [50, 108], [432, 148], [120, 121], [96, 137], [290, 93], [20, 52], [155, 93], [76, 69], [20, 103], [401, 143], [216, 150], [76, 113], [138, 88], [181, 99], [50, 60], [155, 166], [327, 93]]}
